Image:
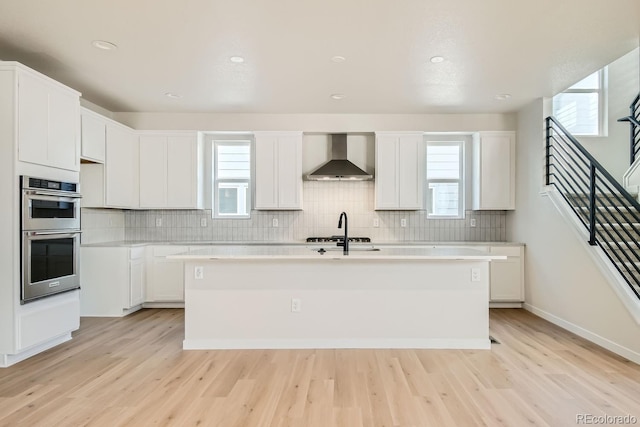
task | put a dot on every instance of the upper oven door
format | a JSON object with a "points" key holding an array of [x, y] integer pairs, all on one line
{"points": [[49, 210]]}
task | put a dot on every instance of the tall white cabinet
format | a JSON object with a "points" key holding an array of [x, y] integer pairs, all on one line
{"points": [[494, 171], [278, 180], [171, 173], [39, 136], [399, 170]]}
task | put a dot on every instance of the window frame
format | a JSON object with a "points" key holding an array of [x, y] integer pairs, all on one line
{"points": [[602, 93], [215, 180], [461, 180]]}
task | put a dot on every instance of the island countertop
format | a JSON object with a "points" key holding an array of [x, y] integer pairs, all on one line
{"points": [[356, 252]]}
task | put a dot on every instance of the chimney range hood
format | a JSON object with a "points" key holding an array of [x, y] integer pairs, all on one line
{"points": [[339, 168]]}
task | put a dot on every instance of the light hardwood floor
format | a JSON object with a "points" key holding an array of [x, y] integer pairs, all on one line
{"points": [[133, 372]]}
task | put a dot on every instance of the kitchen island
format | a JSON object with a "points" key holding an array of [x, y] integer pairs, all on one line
{"points": [[239, 297]]}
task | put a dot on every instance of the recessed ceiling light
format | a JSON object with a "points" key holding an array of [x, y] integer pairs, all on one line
{"points": [[338, 96], [103, 44], [338, 58], [437, 59], [172, 95], [502, 96], [237, 59]]}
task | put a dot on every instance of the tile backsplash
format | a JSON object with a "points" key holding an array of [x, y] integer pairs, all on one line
{"points": [[323, 202]]}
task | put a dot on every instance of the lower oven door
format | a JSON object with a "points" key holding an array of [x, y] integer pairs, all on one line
{"points": [[49, 263]]}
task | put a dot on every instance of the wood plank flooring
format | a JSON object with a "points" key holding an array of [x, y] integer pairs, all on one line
{"points": [[133, 372]]}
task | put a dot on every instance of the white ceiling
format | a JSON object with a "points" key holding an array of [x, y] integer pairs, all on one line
{"points": [[526, 49]]}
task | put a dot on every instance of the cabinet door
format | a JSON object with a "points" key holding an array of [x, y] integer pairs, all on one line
{"points": [[64, 126], [94, 133], [121, 168], [399, 166], [167, 280], [153, 172], [289, 172], [266, 177], [494, 171], [136, 282], [182, 172], [506, 282], [386, 182], [410, 160], [33, 119]]}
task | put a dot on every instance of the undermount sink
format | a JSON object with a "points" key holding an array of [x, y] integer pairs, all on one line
{"points": [[351, 249]]}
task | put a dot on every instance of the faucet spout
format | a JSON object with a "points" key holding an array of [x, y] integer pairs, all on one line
{"points": [[345, 242]]}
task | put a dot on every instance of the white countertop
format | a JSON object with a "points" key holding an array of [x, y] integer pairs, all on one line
{"points": [[421, 244], [356, 252]]}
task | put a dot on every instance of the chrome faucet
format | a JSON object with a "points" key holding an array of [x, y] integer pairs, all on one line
{"points": [[345, 242]]}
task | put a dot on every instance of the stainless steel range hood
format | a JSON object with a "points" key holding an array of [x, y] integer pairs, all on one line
{"points": [[339, 168]]}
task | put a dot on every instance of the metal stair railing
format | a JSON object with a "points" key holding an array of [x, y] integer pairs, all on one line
{"points": [[634, 128], [610, 214]]}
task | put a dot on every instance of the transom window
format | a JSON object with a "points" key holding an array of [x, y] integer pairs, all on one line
{"points": [[231, 179], [445, 177], [582, 108]]}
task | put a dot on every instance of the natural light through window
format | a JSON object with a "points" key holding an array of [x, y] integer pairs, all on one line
{"points": [[581, 108], [444, 179], [231, 179]]}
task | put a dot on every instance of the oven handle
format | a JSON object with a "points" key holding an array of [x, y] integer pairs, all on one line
{"points": [[57, 196], [52, 233]]}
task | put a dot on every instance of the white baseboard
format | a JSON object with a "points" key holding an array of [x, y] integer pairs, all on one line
{"points": [[505, 304], [163, 305], [7, 360], [586, 334], [231, 344]]}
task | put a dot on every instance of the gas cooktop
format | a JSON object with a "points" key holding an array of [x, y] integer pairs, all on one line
{"points": [[338, 239]]}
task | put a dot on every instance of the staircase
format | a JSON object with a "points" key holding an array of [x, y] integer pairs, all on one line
{"points": [[609, 213], [617, 231]]}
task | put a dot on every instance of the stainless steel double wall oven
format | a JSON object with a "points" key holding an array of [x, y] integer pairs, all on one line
{"points": [[50, 229]]}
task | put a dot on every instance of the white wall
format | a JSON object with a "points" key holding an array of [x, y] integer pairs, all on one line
{"points": [[612, 151], [562, 282]]}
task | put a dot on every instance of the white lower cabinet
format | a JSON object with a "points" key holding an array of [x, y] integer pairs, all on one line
{"points": [[112, 280], [166, 276], [507, 276]]}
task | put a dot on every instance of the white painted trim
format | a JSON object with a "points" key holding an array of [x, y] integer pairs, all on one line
{"points": [[606, 267], [498, 304], [586, 334], [233, 344], [7, 360], [164, 304]]}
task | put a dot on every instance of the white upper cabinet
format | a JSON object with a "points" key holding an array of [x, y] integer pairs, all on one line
{"points": [[494, 171], [278, 180], [170, 171], [48, 118], [121, 168], [94, 135], [399, 170]]}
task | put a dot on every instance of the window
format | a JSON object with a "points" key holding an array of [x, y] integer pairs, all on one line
{"points": [[582, 108], [445, 176], [231, 179]]}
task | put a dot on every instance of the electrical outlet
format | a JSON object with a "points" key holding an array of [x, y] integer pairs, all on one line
{"points": [[475, 274], [403, 222], [198, 273], [275, 222], [296, 305], [472, 222], [158, 222], [203, 222], [376, 222]]}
